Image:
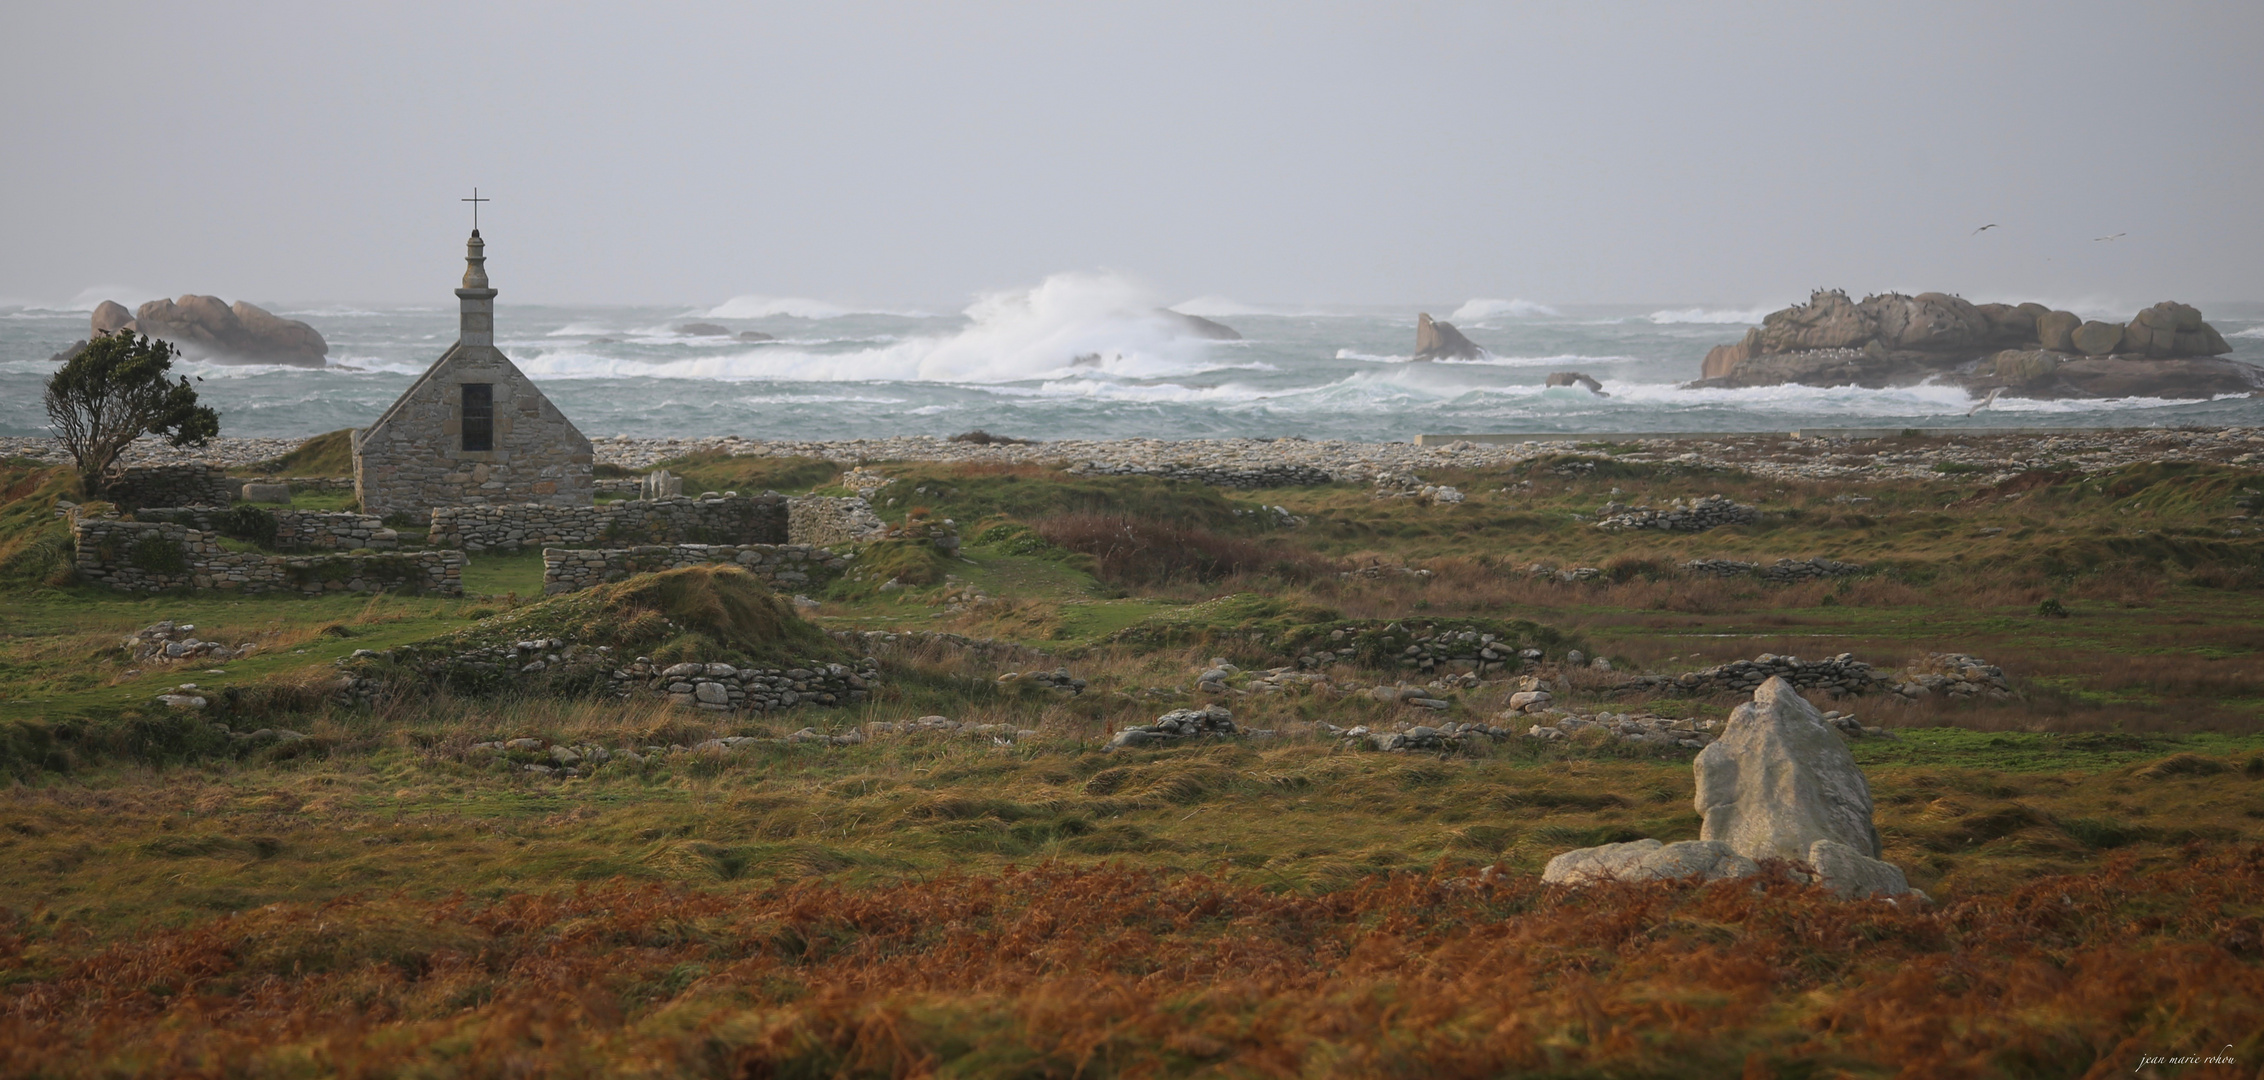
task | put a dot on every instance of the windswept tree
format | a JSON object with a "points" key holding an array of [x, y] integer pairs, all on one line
{"points": [[115, 391]]}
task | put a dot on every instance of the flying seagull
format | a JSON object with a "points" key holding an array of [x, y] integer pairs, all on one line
{"points": [[2117, 236], [1983, 229], [1985, 402]]}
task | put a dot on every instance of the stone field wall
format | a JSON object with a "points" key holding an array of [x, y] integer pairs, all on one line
{"points": [[786, 567], [295, 530], [150, 556], [824, 520], [738, 519], [171, 485], [723, 688]]}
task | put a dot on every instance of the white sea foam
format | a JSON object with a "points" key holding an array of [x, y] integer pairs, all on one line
{"points": [[1472, 310], [2251, 332], [1037, 333], [1709, 315]]}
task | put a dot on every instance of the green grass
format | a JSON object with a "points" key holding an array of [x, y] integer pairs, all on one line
{"points": [[504, 573]]}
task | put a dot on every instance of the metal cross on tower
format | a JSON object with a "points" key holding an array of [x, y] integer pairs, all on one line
{"points": [[475, 200]]}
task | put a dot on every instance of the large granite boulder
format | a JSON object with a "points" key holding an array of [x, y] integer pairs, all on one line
{"points": [[2095, 338], [1779, 784], [1721, 360], [1441, 341], [206, 328], [1829, 320], [2055, 330], [1648, 860], [1779, 779], [1927, 322], [110, 317], [2172, 329]]}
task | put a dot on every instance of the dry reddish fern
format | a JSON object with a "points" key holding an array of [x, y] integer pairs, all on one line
{"points": [[1063, 972]]}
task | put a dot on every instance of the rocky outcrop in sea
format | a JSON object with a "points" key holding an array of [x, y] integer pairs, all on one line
{"points": [[2011, 350]]}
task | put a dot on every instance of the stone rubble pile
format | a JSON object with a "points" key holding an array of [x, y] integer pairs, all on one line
{"points": [[1414, 738], [1780, 572], [1405, 485], [1955, 675], [1643, 730], [1778, 783], [1711, 512], [1179, 724], [1835, 676], [1568, 574], [168, 642], [1057, 679], [1451, 651], [1383, 572]]}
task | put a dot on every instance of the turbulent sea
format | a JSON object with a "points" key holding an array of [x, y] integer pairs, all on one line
{"points": [[1080, 356]]}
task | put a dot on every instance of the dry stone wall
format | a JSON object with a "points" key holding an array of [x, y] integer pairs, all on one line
{"points": [[294, 530], [152, 556], [824, 520], [723, 688], [786, 567], [171, 485], [733, 519]]}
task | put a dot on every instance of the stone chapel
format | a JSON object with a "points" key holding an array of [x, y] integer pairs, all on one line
{"points": [[472, 430]]}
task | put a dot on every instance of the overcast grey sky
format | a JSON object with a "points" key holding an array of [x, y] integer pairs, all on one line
{"points": [[1318, 152]]}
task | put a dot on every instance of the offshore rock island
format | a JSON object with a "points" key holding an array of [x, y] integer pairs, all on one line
{"points": [[2011, 350]]}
